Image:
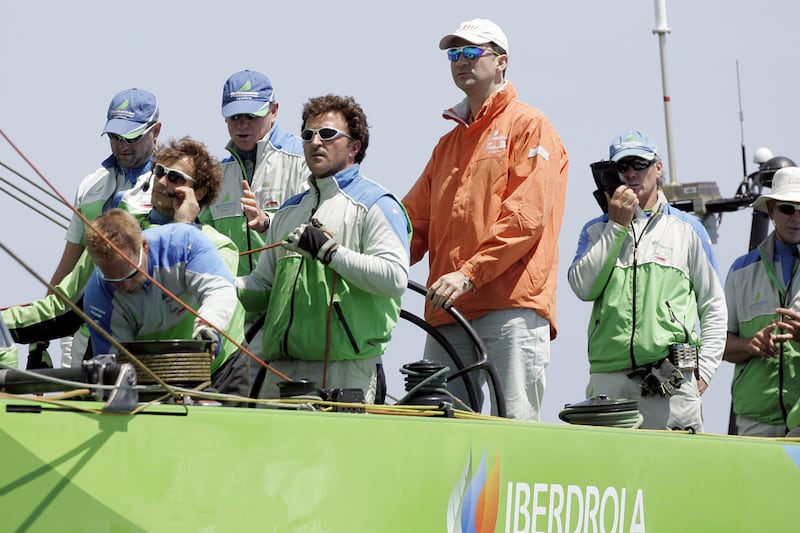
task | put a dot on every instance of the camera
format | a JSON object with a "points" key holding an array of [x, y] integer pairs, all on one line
{"points": [[607, 180]]}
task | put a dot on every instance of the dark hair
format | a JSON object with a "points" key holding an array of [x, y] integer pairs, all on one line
{"points": [[356, 120], [497, 48], [207, 170]]}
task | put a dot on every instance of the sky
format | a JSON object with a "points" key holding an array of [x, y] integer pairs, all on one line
{"points": [[592, 67]]}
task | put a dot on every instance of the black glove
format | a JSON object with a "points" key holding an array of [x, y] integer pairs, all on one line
{"points": [[38, 357], [310, 241]]}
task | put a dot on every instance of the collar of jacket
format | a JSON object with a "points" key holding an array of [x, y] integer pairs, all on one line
{"points": [[340, 180], [493, 105], [131, 174], [238, 154]]}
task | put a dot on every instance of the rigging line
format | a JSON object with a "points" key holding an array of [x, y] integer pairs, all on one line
{"points": [[45, 191], [67, 382], [32, 197], [261, 249], [58, 195], [127, 259], [274, 244], [33, 208], [86, 318]]}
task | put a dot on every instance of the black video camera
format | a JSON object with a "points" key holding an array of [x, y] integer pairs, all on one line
{"points": [[607, 179]]}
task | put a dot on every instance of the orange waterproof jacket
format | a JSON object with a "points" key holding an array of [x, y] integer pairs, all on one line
{"points": [[489, 204]]}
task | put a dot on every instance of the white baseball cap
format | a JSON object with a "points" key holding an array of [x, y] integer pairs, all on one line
{"points": [[476, 31]]}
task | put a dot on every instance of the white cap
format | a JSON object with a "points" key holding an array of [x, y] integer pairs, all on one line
{"points": [[476, 31]]}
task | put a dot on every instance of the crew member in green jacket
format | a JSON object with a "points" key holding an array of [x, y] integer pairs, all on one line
{"points": [[763, 296], [132, 128], [332, 290], [266, 166]]}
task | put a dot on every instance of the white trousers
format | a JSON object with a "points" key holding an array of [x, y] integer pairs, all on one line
{"points": [[518, 341], [682, 410]]}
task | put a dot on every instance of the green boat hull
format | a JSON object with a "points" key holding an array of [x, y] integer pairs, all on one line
{"points": [[218, 469]]}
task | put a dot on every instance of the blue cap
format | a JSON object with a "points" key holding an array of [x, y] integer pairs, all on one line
{"points": [[130, 112], [247, 93], [632, 144]]}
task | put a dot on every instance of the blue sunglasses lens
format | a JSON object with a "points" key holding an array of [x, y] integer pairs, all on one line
{"points": [[470, 52]]}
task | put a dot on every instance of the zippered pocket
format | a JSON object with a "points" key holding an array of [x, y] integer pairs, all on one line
{"points": [[338, 308]]}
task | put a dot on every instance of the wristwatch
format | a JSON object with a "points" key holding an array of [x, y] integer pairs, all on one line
{"points": [[267, 222]]}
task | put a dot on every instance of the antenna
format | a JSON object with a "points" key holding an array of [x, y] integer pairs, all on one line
{"points": [[661, 30], [741, 122]]}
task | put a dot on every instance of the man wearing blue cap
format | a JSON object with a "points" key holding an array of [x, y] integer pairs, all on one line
{"points": [[132, 128], [650, 271], [266, 167]]}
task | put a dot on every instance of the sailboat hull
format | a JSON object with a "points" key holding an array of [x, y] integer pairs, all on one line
{"points": [[222, 469]]}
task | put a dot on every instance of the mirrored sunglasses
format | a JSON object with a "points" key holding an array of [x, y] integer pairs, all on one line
{"points": [[325, 134], [469, 52], [120, 139], [637, 163], [131, 275], [787, 208], [174, 176]]}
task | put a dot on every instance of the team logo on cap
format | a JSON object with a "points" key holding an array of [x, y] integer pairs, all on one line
{"points": [[245, 91], [121, 111]]}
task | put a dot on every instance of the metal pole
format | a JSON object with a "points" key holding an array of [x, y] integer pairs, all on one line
{"points": [[661, 30]]}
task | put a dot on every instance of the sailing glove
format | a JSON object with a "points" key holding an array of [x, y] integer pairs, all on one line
{"points": [[38, 356], [662, 380], [207, 333], [310, 241]]}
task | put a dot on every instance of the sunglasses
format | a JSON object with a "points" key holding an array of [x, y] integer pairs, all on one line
{"points": [[325, 134], [469, 52], [787, 208], [637, 163], [174, 176], [125, 278], [120, 139], [246, 116]]}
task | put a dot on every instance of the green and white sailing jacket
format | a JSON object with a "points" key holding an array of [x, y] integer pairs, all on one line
{"points": [[649, 283]]}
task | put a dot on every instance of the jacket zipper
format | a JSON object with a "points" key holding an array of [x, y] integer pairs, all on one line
{"points": [[338, 308], [636, 242], [294, 284]]}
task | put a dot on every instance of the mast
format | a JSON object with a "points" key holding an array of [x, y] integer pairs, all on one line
{"points": [[662, 29]]}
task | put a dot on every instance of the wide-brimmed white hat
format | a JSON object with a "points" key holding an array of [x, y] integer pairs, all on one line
{"points": [[785, 188]]}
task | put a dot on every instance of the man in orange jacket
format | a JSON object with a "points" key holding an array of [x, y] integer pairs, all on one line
{"points": [[488, 210]]}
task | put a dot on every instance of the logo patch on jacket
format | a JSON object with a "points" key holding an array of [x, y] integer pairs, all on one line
{"points": [[539, 150], [496, 143], [662, 253]]}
